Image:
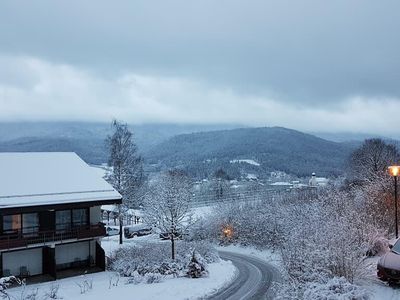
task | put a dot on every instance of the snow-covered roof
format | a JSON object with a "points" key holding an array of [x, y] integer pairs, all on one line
{"points": [[248, 161], [46, 178]]}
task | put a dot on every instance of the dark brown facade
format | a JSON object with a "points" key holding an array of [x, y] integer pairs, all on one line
{"points": [[56, 237]]}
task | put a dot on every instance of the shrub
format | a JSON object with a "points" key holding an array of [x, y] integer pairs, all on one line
{"points": [[154, 258], [152, 278], [335, 288], [196, 267]]}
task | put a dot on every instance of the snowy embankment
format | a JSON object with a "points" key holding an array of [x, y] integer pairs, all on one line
{"points": [[220, 274]]}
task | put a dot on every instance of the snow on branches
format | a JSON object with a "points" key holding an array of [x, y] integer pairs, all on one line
{"points": [[167, 205]]}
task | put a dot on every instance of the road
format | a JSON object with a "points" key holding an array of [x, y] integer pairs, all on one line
{"points": [[253, 281]]}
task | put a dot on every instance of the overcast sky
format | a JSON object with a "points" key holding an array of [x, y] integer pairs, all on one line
{"points": [[308, 65]]}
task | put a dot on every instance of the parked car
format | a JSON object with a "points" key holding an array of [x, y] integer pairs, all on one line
{"points": [[389, 264], [111, 231], [137, 230]]}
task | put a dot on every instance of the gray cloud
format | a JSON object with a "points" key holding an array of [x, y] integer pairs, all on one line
{"points": [[316, 57], [65, 92]]}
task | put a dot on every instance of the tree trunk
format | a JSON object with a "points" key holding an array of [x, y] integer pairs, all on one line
{"points": [[173, 247], [120, 230]]}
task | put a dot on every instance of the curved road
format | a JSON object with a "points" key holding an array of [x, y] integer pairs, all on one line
{"points": [[253, 281]]}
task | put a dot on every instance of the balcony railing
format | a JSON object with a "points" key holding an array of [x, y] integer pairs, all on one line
{"points": [[20, 240]]}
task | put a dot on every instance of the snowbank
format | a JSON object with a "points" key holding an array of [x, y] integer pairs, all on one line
{"points": [[220, 274]]}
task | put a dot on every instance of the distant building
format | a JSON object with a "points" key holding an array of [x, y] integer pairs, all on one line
{"points": [[313, 181], [50, 214], [317, 181]]}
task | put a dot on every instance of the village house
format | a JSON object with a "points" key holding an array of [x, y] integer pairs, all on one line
{"points": [[50, 215]]}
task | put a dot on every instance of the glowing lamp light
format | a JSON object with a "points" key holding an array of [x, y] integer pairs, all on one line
{"points": [[228, 232], [394, 170]]}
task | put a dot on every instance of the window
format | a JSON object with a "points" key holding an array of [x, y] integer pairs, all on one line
{"points": [[79, 217], [30, 223], [63, 220], [11, 224]]}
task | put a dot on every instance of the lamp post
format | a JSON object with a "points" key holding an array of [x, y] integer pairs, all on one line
{"points": [[394, 171]]}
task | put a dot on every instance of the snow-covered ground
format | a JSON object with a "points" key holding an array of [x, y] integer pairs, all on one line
{"points": [[171, 288], [379, 290], [220, 274]]}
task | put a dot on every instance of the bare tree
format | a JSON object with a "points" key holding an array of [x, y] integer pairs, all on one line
{"points": [[370, 161], [167, 205], [126, 164]]}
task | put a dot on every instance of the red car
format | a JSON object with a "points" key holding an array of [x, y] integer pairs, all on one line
{"points": [[389, 264]]}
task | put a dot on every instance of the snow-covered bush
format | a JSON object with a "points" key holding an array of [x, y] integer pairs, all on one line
{"points": [[328, 236], [253, 223], [196, 267], [203, 249], [155, 258], [288, 290], [135, 278], [152, 278], [5, 282], [320, 234], [335, 288], [379, 244]]}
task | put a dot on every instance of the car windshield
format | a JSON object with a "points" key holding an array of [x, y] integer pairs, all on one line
{"points": [[396, 247]]}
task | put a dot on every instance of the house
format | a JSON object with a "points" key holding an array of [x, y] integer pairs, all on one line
{"points": [[50, 214]]}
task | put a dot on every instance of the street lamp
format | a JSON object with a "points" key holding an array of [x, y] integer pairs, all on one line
{"points": [[394, 171], [227, 231]]}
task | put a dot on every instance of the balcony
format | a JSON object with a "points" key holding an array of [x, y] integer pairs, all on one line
{"points": [[20, 240]]}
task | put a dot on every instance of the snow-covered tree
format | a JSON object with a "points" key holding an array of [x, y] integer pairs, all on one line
{"points": [[372, 159], [126, 166], [370, 182], [167, 205], [196, 267]]}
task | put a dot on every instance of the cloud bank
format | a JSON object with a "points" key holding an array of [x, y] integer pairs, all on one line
{"points": [[34, 89]]}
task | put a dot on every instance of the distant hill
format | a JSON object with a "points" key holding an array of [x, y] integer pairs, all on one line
{"points": [[241, 152], [41, 136], [273, 148], [91, 150], [84, 138]]}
